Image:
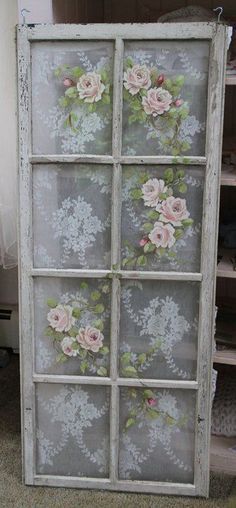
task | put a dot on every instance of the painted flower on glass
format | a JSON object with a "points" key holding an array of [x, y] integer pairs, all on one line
{"points": [[137, 78], [60, 318], [77, 328], [90, 87], [157, 101], [166, 219], [173, 210], [90, 338], [152, 191], [162, 235]]}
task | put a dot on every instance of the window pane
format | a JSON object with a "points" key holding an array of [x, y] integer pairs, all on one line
{"points": [[159, 329], [72, 430], [72, 97], [72, 216], [161, 218], [165, 96], [157, 435], [72, 326]]}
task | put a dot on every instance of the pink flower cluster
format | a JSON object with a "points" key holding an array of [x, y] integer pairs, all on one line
{"points": [[172, 212], [61, 320], [157, 100]]}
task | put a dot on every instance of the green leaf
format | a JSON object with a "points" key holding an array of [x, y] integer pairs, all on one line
{"points": [[77, 72], [129, 62], [129, 422], [179, 80], [180, 173], [83, 366], [161, 251], [61, 358], [143, 178], [187, 222], [49, 332], [153, 215], [136, 193], [73, 331], [64, 102], [133, 393], [129, 371], [148, 394], [52, 303], [149, 247], [178, 233], [95, 295], [106, 288], [169, 420], [152, 414], [102, 371], [185, 146], [125, 358], [76, 313], [99, 325], [99, 308], [142, 261], [115, 266], [104, 350], [147, 226], [91, 108], [169, 175], [182, 187], [106, 99], [84, 285], [75, 346], [142, 358], [71, 92]]}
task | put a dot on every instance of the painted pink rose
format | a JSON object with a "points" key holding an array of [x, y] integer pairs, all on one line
{"points": [[66, 346], [136, 78], [179, 102], [90, 338], [143, 242], [173, 210], [68, 82], [162, 235], [60, 318], [151, 402], [157, 101], [90, 87], [152, 190]]}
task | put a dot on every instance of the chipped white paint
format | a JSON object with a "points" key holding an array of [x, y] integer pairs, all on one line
{"points": [[218, 35]]}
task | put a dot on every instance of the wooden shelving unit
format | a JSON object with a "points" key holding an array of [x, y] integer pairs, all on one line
{"points": [[223, 454], [228, 175], [225, 267]]}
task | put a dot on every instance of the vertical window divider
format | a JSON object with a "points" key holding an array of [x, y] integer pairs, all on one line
{"points": [[115, 254]]}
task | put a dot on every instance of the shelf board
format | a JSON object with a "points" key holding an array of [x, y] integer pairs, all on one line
{"points": [[228, 175], [230, 79], [225, 266], [223, 457], [225, 356]]}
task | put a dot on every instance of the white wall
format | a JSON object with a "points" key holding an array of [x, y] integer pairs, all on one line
{"points": [[40, 11]]}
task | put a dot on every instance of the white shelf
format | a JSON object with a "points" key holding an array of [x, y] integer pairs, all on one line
{"points": [[225, 266], [230, 79], [225, 356], [223, 457], [228, 175]]}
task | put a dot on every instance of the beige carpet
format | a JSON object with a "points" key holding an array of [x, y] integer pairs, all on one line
{"points": [[13, 494]]}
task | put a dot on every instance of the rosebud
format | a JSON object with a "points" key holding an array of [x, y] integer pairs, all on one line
{"points": [[151, 402], [143, 242], [68, 82], [160, 79], [179, 103]]}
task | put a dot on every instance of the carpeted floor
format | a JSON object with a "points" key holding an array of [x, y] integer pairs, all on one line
{"points": [[13, 494]]}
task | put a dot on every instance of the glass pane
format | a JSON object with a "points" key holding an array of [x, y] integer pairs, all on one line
{"points": [[161, 218], [159, 329], [72, 97], [72, 216], [72, 430], [72, 326], [157, 435], [165, 95]]}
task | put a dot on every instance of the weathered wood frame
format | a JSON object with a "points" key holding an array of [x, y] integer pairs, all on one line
{"points": [[217, 36]]}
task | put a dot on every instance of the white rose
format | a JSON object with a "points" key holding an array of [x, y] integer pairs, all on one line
{"points": [[162, 235], [90, 338], [173, 210], [157, 101], [66, 346], [90, 87], [137, 77], [151, 191], [60, 318]]}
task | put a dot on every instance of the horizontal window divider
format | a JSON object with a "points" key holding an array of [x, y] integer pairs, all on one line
{"points": [[122, 485], [182, 276], [57, 272], [120, 382], [109, 159], [73, 158], [105, 31]]}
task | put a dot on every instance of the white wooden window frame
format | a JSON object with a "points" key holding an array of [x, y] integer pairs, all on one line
{"points": [[217, 36]]}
